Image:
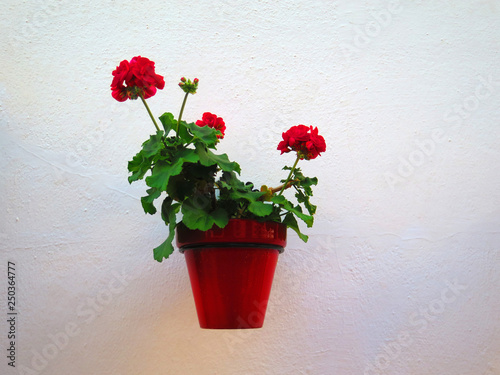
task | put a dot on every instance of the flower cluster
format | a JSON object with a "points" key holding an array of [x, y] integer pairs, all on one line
{"points": [[212, 121], [180, 163], [305, 140], [134, 79]]}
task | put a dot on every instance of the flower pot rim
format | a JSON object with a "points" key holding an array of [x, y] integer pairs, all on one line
{"points": [[233, 246], [237, 233]]}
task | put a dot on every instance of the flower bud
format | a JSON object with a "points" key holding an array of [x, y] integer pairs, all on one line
{"points": [[188, 86]]}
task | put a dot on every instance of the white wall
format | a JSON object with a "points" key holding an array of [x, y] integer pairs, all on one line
{"points": [[401, 274]]}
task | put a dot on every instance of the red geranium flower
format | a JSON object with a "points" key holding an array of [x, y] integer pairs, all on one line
{"points": [[135, 78], [305, 140], [214, 122]]}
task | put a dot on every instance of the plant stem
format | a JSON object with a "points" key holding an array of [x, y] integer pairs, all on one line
{"points": [[149, 111], [278, 188], [180, 114], [289, 175], [241, 210]]}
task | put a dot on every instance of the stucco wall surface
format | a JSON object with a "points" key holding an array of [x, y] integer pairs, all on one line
{"points": [[401, 272]]}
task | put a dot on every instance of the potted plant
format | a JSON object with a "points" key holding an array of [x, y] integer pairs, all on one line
{"points": [[229, 231]]}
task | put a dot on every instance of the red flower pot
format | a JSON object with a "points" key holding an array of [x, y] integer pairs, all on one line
{"points": [[231, 270]]}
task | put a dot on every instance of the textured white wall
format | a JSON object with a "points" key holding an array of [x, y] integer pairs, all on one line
{"points": [[401, 274]]}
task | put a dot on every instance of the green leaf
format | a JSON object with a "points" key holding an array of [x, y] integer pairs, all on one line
{"points": [[208, 158], [291, 222], [297, 211], [220, 217], [168, 121], [184, 134], [147, 201], [188, 155], [166, 248], [260, 208], [143, 160], [139, 166], [279, 199], [231, 181], [153, 144], [196, 214], [168, 209], [303, 198], [205, 134], [305, 182], [237, 189], [309, 181], [250, 196], [162, 172]]}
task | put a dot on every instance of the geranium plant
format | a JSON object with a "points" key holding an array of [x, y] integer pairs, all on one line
{"points": [[199, 187]]}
